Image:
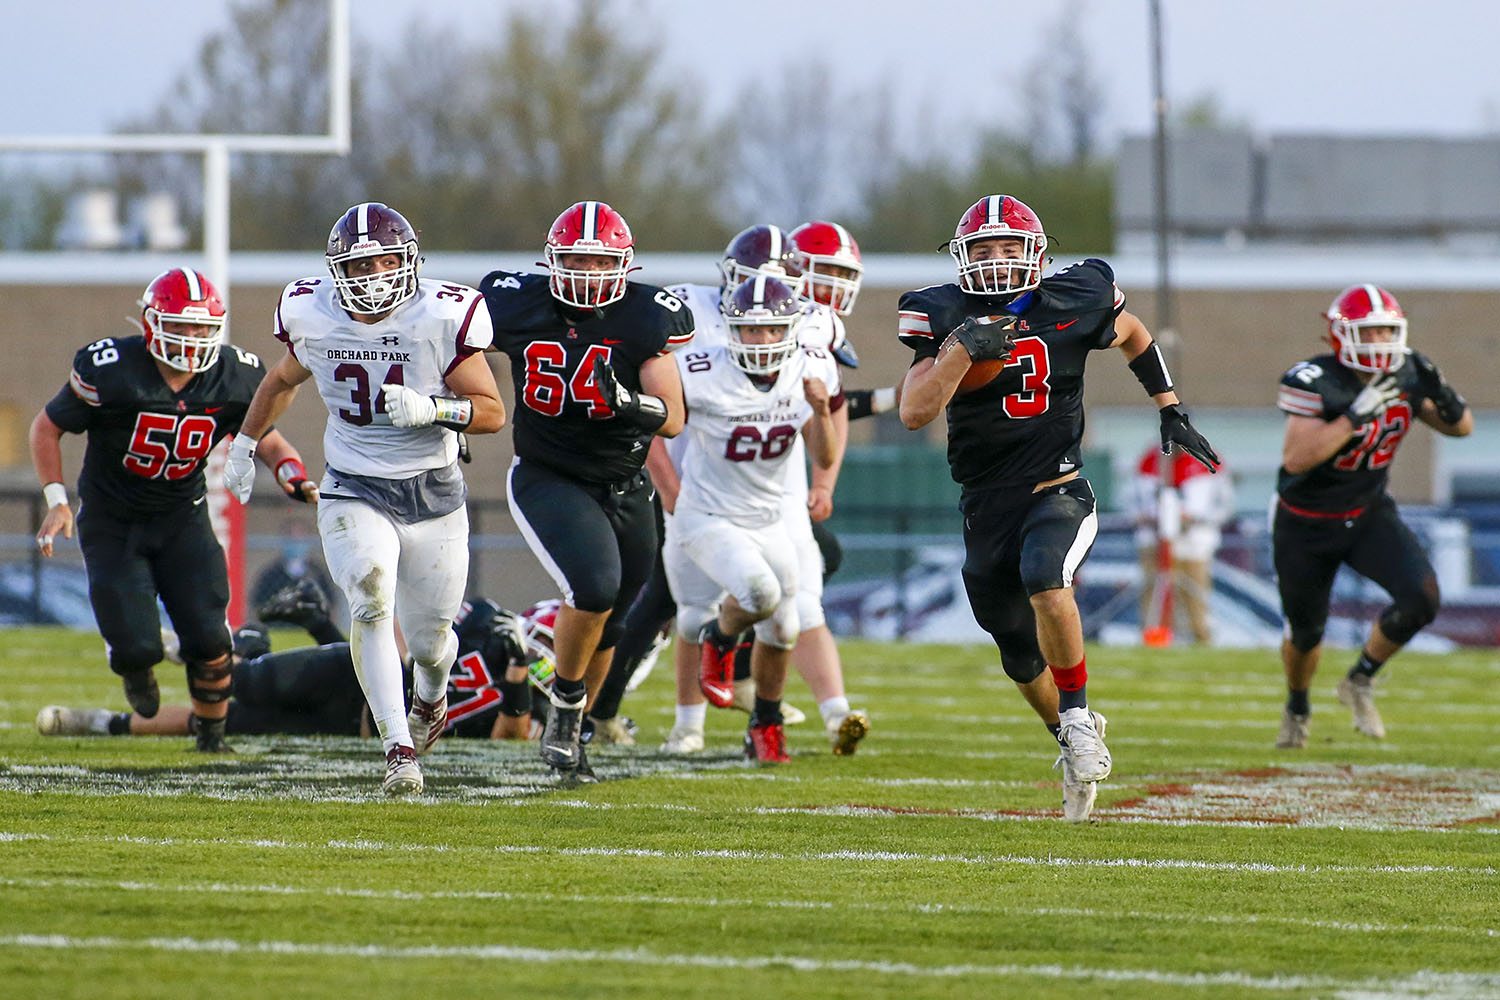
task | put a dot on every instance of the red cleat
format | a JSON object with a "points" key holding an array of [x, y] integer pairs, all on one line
{"points": [[766, 744], [716, 667]]}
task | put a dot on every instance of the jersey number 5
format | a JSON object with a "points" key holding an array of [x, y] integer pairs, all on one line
{"points": [[163, 444]]}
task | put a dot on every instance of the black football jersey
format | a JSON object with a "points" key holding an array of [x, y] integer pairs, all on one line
{"points": [[1357, 474], [1026, 425], [474, 694], [562, 420], [146, 443]]}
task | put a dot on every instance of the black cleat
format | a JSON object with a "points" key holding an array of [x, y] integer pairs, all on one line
{"points": [[300, 603], [142, 693], [561, 748], [211, 736]]}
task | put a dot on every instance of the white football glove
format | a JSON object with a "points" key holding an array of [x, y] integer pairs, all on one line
{"points": [[239, 467], [1373, 400], [407, 407]]}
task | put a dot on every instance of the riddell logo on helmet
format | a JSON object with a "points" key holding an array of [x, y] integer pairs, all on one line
{"points": [[366, 245]]}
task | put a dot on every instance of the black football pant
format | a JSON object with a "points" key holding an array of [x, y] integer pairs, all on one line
{"points": [[130, 563], [649, 613], [301, 691]]}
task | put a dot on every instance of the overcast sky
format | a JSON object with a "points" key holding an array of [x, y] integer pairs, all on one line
{"points": [[1350, 66]]}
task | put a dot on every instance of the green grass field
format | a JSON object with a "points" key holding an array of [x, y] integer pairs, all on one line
{"points": [[932, 863]]}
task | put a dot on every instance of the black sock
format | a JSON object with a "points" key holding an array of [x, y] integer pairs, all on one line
{"points": [[742, 660], [767, 711], [1297, 703], [1365, 665], [1055, 728], [119, 724], [569, 691], [1071, 699], [326, 633]]}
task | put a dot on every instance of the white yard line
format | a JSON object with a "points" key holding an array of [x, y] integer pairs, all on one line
{"points": [[1428, 980]]}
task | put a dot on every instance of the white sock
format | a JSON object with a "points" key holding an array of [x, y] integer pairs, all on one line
{"points": [[833, 708], [377, 664], [692, 716], [99, 721]]}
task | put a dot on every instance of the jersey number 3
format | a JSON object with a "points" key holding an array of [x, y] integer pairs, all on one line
{"points": [[1032, 400]]}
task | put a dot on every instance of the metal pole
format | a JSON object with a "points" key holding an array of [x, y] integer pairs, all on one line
{"points": [[1159, 632]]}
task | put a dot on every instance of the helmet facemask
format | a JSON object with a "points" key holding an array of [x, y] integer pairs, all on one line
{"points": [[1359, 350], [1000, 275], [186, 352], [584, 288], [379, 291]]}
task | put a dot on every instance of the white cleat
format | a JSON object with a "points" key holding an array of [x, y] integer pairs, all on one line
{"points": [[426, 721], [612, 732], [55, 720], [683, 740], [1357, 693], [1078, 796], [403, 775], [1293, 735], [1081, 739]]}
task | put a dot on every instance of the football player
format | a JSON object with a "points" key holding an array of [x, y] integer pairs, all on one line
{"points": [[747, 400], [315, 690], [153, 406], [399, 364], [1002, 350], [590, 358], [1347, 412]]}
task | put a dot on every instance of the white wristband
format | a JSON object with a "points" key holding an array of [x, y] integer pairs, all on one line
{"points": [[56, 494]]}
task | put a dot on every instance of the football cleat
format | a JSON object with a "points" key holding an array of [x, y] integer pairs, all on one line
{"points": [[845, 732], [209, 735], [426, 721], [716, 666], [1081, 742], [55, 720], [744, 700], [615, 731], [683, 739], [403, 775], [142, 693], [300, 603], [766, 744], [1078, 796], [1293, 735], [560, 744], [1357, 693]]}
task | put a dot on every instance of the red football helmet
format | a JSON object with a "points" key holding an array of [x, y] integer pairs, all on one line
{"points": [[762, 249], [762, 301], [999, 216], [1354, 315], [829, 260], [373, 230], [590, 228], [538, 622], [183, 295]]}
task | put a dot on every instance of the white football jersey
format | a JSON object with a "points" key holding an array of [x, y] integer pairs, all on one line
{"points": [[416, 345], [740, 437]]}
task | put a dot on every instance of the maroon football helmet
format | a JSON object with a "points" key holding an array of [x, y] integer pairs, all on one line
{"points": [[593, 229], [829, 260], [1351, 317], [762, 249], [999, 216], [183, 295], [763, 301], [373, 230]]}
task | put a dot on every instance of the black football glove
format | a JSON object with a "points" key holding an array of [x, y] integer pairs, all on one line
{"points": [[645, 411], [1450, 405], [986, 338], [1373, 400], [1177, 429]]}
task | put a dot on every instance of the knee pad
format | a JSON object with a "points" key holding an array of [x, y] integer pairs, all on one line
{"points": [[434, 648], [203, 680], [692, 617], [762, 595], [809, 610], [133, 657], [1304, 638], [1407, 617], [1020, 656], [779, 630]]}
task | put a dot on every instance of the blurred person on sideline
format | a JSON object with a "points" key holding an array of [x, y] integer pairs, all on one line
{"points": [[1191, 511], [152, 407], [1347, 412]]}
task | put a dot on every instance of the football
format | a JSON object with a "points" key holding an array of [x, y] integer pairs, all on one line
{"points": [[979, 375]]}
